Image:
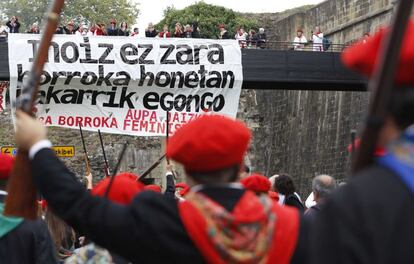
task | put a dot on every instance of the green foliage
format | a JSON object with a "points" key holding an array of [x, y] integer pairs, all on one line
{"points": [[81, 11], [208, 18]]}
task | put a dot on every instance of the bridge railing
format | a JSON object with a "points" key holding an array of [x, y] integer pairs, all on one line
{"points": [[286, 45]]}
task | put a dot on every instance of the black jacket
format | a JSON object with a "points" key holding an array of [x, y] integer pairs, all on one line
{"points": [[149, 230], [29, 242], [369, 220], [151, 34], [293, 201], [15, 28]]}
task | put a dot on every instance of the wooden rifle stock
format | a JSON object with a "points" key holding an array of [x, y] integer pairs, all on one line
{"points": [[382, 85], [22, 193]]}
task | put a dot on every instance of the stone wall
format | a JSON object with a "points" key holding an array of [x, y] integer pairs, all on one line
{"points": [[342, 21], [302, 133]]}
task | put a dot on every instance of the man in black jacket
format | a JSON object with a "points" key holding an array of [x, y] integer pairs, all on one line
{"points": [[22, 241], [154, 228], [370, 220]]}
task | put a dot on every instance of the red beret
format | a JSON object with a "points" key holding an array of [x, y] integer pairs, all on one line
{"points": [[122, 191], [209, 143], [274, 196], [129, 175], [379, 151], [256, 183], [6, 166], [363, 56], [153, 187], [184, 188]]}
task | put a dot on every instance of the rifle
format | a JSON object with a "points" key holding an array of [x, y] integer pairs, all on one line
{"points": [[22, 194], [120, 158], [152, 167], [382, 85], [158, 162], [107, 173], [85, 155]]}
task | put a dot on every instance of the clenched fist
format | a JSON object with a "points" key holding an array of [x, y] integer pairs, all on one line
{"points": [[29, 130]]}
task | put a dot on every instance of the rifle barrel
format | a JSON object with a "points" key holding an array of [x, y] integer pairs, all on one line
{"points": [[151, 168], [107, 173]]}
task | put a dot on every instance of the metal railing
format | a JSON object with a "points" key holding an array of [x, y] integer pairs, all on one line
{"points": [[294, 46]]}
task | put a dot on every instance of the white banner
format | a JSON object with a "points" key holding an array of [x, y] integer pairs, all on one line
{"points": [[126, 85], [3, 89]]}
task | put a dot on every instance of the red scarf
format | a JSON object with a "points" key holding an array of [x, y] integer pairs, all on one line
{"points": [[256, 231]]}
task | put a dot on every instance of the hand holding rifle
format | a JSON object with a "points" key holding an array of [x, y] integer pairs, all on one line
{"points": [[21, 200]]}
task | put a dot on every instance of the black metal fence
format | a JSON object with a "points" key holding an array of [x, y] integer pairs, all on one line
{"points": [[285, 45]]}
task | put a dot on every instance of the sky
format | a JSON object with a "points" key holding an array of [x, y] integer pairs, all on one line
{"points": [[152, 10]]}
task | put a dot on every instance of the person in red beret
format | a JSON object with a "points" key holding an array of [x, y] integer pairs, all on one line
{"points": [[112, 30], [224, 34], [370, 219], [153, 188], [123, 190], [219, 221], [21, 241], [256, 183]]}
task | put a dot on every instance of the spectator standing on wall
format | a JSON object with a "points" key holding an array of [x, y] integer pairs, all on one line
{"points": [[252, 39], [241, 36], [178, 30], [83, 31], [151, 32], [261, 38], [195, 33], [69, 29], [34, 29], [13, 25], [123, 30], [165, 33], [188, 31], [100, 30], [317, 39], [135, 32], [112, 30], [300, 40], [224, 34]]}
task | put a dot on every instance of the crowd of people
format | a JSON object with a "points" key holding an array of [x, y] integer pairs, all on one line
{"points": [[246, 40]]}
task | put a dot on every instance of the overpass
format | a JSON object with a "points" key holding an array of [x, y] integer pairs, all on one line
{"points": [[267, 69]]}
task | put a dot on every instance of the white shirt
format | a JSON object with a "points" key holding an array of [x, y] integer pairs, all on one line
{"points": [[317, 42], [299, 43], [241, 37]]}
